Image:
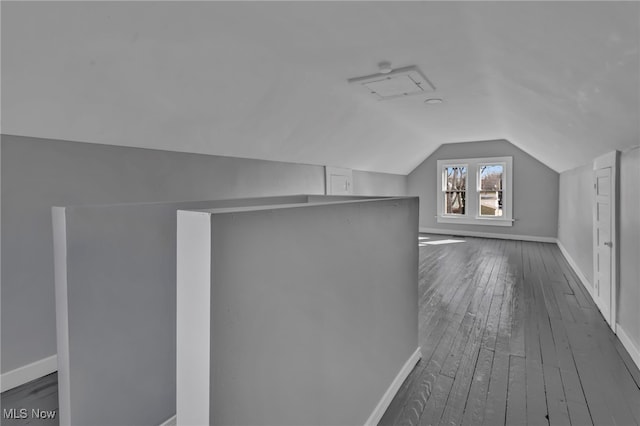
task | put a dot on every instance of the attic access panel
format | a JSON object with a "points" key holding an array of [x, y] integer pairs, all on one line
{"points": [[406, 81]]}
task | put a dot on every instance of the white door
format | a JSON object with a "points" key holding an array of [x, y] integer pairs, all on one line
{"points": [[603, 242], [338, 181], [339, 185]]}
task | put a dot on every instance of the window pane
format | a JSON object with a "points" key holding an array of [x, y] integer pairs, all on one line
{"points": [[456, 178], [491, 184], [491, 177], [454, 202], [490, 203]]}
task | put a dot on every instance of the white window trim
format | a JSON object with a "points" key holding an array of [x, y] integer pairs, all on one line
{"points": [[472, 210]]}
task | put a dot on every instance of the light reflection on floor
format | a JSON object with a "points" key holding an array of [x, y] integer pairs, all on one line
{"points": [[441, 239]]}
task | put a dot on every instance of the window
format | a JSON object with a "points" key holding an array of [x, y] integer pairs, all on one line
{"points": [[475, 191], [490, 179], [455, 191]]}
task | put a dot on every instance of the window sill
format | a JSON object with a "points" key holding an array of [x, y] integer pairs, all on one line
{"points": [[475, 221]]}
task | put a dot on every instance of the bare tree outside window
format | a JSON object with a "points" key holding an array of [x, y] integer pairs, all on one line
{"points": [[455, 189], [491, 185]]}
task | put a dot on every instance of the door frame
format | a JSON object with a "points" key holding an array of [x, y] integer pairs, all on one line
{"points": [[612, 160]]}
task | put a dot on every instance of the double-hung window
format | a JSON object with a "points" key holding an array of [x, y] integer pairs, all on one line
{"points": [[475, 191]]}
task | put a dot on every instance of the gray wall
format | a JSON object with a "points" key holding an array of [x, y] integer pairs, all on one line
{"points": [[575, 217], [368, 183], [629, 298], [40, 173], [575, 228], [535, 189], [115, 274], [312, 311]]}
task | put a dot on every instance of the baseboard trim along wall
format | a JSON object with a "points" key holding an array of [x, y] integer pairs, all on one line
{"points": [[582, 277], [383, 404], [404, 372], [488, 235], [632, 349], [628, 344], [171, 421], [26, 373]]}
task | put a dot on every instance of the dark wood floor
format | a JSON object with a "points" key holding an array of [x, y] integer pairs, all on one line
{"points": [[509, 337], [40, 394]]}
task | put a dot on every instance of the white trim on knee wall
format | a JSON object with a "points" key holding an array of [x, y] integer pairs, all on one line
{"points": [[26, 373]]}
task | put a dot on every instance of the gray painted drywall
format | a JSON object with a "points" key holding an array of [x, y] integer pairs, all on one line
{"points": [[40, 173], [535, 189], [575, 233], [116, 309], [369, 183], [629, 295], [575, 217], [313, 310]]}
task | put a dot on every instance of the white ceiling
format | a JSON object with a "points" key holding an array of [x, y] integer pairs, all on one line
{"points": [[561, 80]]}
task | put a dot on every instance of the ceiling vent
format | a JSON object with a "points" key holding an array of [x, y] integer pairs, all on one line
{"points": [[398, 83]]}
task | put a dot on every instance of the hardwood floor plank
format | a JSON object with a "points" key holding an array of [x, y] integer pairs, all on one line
{"points": [[531, 334], [476, 401], [537, 411], [576, 309], [550, 298], [556, 400], [579, 414], [616, 371], [593, 391], [496, 402], [433, 410], [633, 370], [563, 351], [572, 279], [568, 370], [493, 320], [547, 344], [516, 392], [517, 339], [561, 301]]}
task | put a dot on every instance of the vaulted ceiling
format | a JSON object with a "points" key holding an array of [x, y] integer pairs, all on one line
{"points": [[561, 80]]}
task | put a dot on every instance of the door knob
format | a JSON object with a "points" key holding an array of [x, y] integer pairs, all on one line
{"points": [[608, 244]]}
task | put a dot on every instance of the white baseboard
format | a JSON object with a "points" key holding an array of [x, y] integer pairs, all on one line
{"points": [[382, 406], [171, 421], [488, 235], [581, 276], [26, 373], [384, 402], [628, 344], [626, 341]]}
